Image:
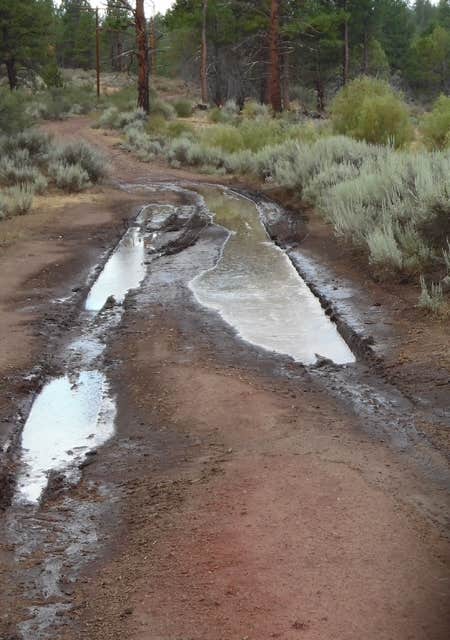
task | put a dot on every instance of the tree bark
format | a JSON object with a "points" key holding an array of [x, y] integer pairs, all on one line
{"points": [[204, 56], [286, 81], [275, 63], [346, 61], [320, 93], [366, 53], [12, 73], [320, 87], [153, 47], [218, 95], [119, 61], [142, 54]]}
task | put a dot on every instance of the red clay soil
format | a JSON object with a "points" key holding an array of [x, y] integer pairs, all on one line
{"points": [[239, 503]]}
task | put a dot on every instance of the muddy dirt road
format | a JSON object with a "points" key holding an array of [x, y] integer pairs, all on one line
{"points": [[242, 493]]}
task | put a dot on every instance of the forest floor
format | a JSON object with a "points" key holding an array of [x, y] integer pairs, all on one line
{"points": [[242, 496]]}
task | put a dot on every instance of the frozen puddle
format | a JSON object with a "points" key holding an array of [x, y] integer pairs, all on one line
{"points": [[257, 290], [68, 418]]}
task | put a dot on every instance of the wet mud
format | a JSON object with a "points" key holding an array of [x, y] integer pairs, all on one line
{"points": [[67, 494]]}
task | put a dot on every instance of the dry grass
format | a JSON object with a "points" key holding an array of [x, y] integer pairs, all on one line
{"points": [[46, 209]]}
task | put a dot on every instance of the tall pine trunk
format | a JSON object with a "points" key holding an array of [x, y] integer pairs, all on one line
{"points": [[320, 95], [366, 42], [346, 61], [286, 81], [12, 73], [153, 47], [142, 54], [343, 5], [204, 60], [275, 62]]}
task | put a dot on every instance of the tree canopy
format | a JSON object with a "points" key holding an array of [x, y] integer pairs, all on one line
{"points": [[320, 44]]}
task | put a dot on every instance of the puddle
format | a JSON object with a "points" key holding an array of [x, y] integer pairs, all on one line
{"points": [[253, 286], [124, 270], [257, 290], [71, 416]]}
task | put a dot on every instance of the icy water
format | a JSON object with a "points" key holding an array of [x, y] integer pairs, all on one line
{"points": [[257, 290]]}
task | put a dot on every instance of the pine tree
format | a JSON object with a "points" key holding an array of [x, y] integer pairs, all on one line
{"points": [[76, 46], [117, 36], [26, 27]]}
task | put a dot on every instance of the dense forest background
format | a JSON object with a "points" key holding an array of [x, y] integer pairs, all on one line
{"points": [[322, 44]]}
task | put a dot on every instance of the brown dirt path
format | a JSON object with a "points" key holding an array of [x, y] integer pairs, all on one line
{"points": [[262, 512], [240, 503]]}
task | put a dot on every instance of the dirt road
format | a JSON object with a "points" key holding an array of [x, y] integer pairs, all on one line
{"points": [[242, 495]]}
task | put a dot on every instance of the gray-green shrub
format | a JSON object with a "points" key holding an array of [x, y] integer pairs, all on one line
{"points": [[16, 200], [253, 109], [70, 177], [82, 155], [112, 118], [431, 297]]}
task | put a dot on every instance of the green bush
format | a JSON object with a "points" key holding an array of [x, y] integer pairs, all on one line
{"points": [[56, 105], [264, 131], [223, 136], [51, 74], [157, 124], [160, 108], [435, 126], [179, 129], [368, 109], [184, 108], [13, 111]]}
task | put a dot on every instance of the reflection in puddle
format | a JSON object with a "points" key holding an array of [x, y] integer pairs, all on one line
{"points": [[69, 417], [74, 413], [256, 289], [124, 270]]}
